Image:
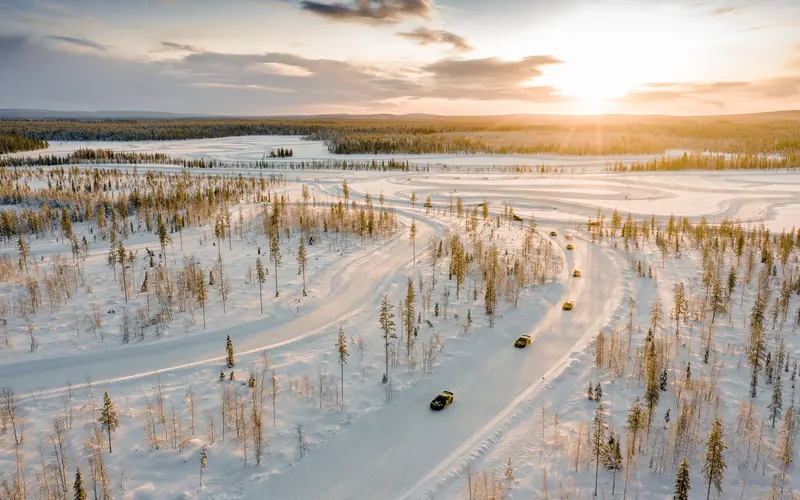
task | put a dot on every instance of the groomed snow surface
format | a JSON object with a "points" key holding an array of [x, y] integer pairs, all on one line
{"points": [[527, 405]]}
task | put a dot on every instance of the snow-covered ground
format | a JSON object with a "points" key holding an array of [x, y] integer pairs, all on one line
{"points": [[361, 444]]}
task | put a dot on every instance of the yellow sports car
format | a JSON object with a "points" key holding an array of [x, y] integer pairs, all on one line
{"points": [[570, 247], [568, 236], [523, 341], [576, 273], [442, 400], [568, 305]]}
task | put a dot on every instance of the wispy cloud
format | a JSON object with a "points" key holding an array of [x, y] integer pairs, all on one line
{"points": [[167, 46], [722, 11], [79, 42], [370, 11], [425, 36], [273, 68]]}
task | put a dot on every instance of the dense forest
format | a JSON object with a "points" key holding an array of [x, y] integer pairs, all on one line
{"points": [[518, 134], [14, 143]]}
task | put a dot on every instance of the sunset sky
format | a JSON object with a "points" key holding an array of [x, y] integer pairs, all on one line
{"points": [[269, 57]]}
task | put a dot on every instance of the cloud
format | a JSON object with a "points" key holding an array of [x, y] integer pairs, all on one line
{"points": [[272, 68], [370, 11], [168, 46], [724, 11], [424, 36], [489, 70], [782, 87], [247, 87], [84, 43]]}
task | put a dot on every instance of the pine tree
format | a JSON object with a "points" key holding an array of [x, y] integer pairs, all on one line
{"points": [[229, 359], [202, 297], [121, 258], [776, 404], [413, 237], [599, 349], [714, 466], [598, 392], [682, 479], [261, 277], [656, 314], [24, 248], [77, 487], [598, 441], [386, 321], [108, 418], [409, 316], [613, 458], [681, 306], [275, 256], [341, 348], [590, 392], [652, 392], [203, 464], [662, 381], [302, 258], [635, 422]]}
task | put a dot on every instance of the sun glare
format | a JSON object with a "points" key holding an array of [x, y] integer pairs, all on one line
{"points": [[594, 89]]}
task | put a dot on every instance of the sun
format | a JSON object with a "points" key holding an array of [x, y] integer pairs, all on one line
{"points": [[595, 89]]}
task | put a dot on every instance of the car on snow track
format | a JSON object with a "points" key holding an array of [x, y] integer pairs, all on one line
{"points": [[570, 247], [523, 341], [576, 273], [568, 305], [553, 233], [568, 237], [442, 400]]}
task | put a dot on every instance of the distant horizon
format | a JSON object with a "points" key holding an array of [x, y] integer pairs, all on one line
{"points": [[8, 114]]}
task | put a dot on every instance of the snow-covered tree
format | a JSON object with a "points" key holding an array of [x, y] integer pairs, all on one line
{"points": [[108, 418], [261, 277], [682, 481], [714, 466], [342, 352], [229, 359], [77, 487], [386, 320]]}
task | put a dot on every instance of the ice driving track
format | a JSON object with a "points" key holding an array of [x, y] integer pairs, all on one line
{"points": [[364, 462], [52, 375]]}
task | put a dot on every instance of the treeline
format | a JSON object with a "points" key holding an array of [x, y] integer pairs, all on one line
{"points": [[695, 161], [281, 153], [575, 135], [107, 156], [454, 144], [14, 143]]}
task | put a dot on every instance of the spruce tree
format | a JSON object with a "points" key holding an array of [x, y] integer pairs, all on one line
{"points": [[341, 348], [598, 441], [652, 391], [776, 403], [302, 258], [682, 479], [386, 321], [229, 359], [635, 421], [262, 277], [275, 256], [599, 349], [77, 487], [108, 418], [714, 466], [409, 316], [662, 381]]}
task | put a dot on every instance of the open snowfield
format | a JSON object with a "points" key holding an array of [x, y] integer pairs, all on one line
{"points": [[354, 437]]}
